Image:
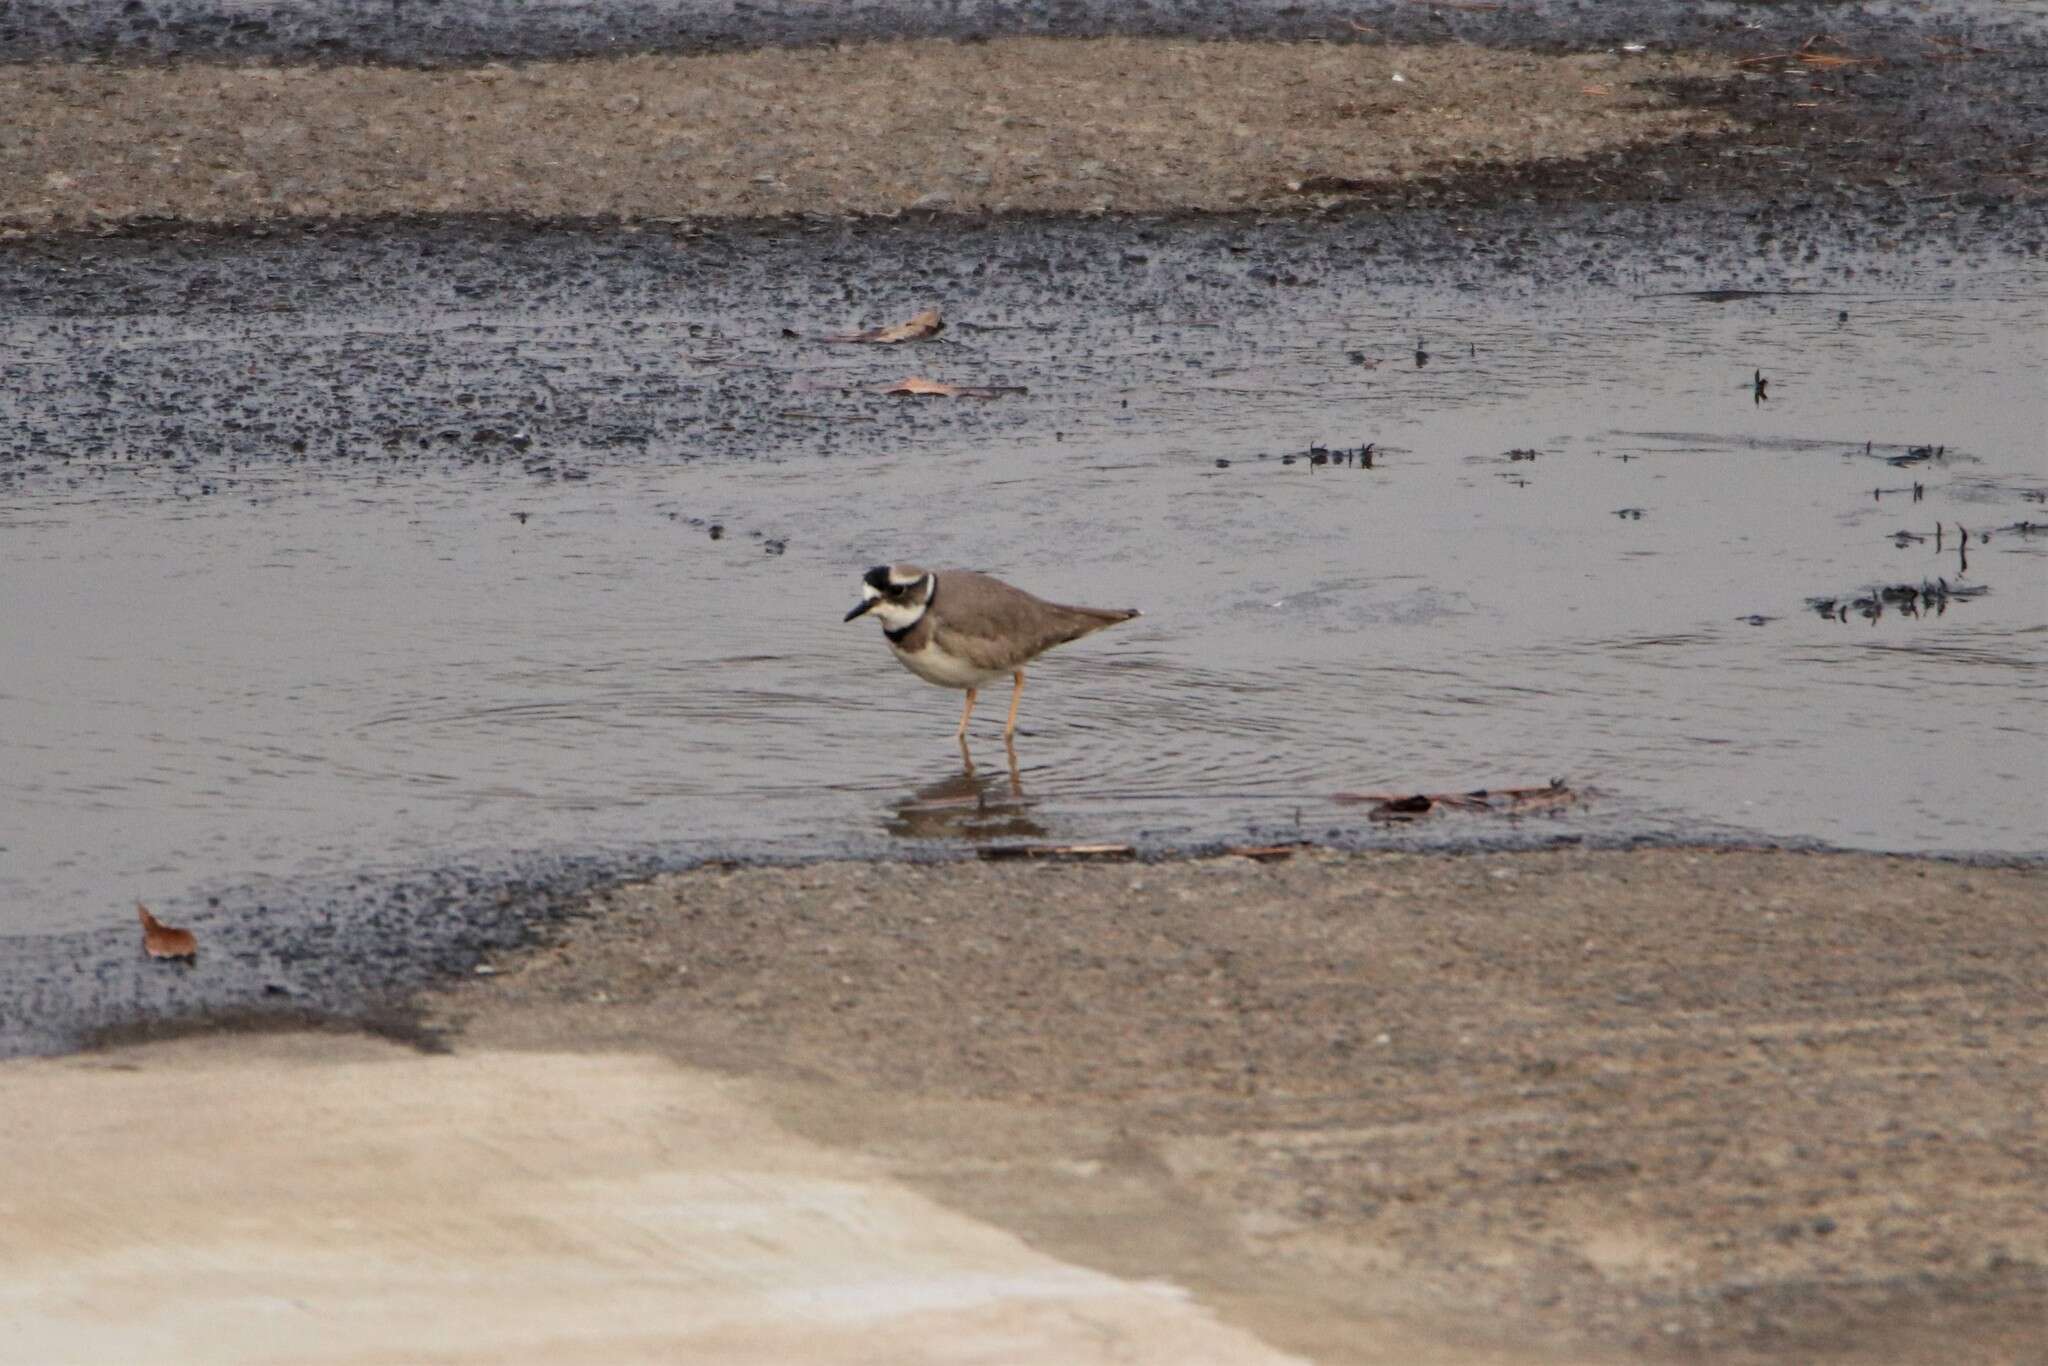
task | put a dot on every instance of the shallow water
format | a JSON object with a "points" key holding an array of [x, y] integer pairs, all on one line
{"points": [[254, 665]]}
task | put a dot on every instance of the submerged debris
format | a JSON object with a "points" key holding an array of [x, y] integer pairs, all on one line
{"points": [[1268, 853], [1324, 455], [1507, 801], [999, 852], [1907, 599]]}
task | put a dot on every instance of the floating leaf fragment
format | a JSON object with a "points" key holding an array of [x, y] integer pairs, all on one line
{"points": [[927, 323], [165, 941], [916, 386]]}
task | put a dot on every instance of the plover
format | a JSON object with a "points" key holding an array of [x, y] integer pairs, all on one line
{"points": [[960, 629]]}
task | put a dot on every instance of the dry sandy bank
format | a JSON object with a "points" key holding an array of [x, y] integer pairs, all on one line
{"points": [[1019, 124], [1573, 1106], [1741, 1105]]}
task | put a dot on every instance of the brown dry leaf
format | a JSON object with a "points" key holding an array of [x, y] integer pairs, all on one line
{"points": [[164, 941], [917, 386], [1596, 90], [925, 324], [914, 384]]}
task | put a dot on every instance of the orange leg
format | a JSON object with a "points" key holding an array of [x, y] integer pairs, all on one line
{"points": [[965, 712], [1015, 697]]}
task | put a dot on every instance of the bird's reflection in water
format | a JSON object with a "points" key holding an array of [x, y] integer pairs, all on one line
{"points": [[974, 804]]}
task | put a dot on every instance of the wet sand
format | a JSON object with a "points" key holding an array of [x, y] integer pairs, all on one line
{"points": [[1570, 1106]]}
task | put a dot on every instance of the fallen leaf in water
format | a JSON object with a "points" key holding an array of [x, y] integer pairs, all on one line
{"points": [[164, 941], [925, 324], [916, 386]]}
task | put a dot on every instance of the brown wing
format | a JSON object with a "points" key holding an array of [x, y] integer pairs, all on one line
{"points": [[996, 627]]}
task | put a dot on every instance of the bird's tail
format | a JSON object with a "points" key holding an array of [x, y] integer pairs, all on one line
{"points": [[1087, 620]]}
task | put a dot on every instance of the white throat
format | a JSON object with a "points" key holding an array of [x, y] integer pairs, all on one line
{"points": [[895, 616]]}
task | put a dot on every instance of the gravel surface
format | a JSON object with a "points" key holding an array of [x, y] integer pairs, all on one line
{"points": [[1655, 1104], [1033, 125]]}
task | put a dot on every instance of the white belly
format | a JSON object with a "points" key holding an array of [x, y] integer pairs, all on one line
{"points": [[934, 665]]}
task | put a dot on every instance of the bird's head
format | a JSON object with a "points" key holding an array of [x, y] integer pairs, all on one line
{"points": [[896, 593]]}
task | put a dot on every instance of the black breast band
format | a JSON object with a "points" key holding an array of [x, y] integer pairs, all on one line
{"points": [[897, 637]]}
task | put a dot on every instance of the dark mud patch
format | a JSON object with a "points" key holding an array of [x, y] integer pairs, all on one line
{"points": [[344, 956], [156, 320]]}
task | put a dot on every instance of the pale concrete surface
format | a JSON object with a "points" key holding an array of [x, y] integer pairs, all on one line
{"points": [[314, 1199]]}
